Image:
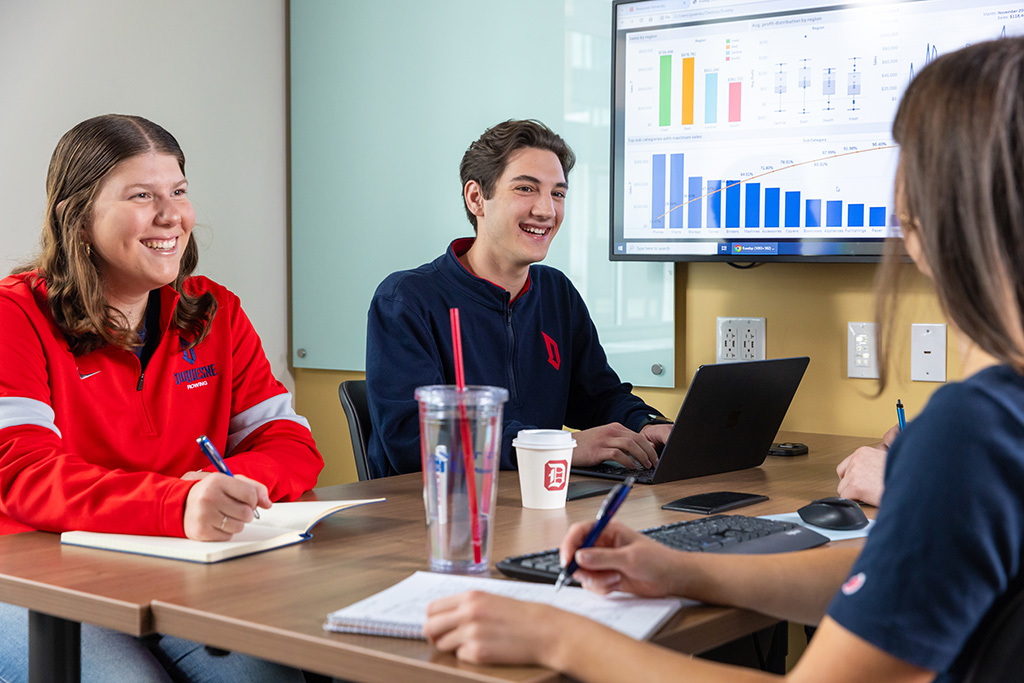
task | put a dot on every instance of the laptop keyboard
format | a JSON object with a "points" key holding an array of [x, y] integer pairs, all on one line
{"points": [[642, 476], [715, 534]]}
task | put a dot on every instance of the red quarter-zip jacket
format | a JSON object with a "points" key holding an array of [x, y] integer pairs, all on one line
{"points": [[94, 443]]}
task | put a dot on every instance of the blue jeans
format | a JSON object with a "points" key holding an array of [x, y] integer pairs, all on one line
{"points": [[109, 656]]}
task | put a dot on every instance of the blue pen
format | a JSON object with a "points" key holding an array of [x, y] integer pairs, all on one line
{"points": [[604, 515], [900, 416], [213, 455]]}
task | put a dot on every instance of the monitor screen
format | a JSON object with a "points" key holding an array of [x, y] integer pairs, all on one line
{"points": [[760, 130]]}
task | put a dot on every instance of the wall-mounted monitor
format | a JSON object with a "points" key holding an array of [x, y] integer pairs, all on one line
{"points": [[761, 130]]}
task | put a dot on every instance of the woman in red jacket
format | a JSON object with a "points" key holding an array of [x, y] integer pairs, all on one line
{"points": [[113, 360]]}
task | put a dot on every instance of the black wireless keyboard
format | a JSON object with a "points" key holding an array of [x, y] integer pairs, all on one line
{"points": [[715, 534]]}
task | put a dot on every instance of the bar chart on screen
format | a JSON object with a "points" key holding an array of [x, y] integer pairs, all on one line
{"points": [[777, 125], [770, 192]]}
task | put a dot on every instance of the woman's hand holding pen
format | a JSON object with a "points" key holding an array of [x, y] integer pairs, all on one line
{"points": [[862, 473], [489, 629], [622, 559], [219, 506]]}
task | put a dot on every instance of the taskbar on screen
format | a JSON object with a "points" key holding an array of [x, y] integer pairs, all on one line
{"points": [[867, 248]]}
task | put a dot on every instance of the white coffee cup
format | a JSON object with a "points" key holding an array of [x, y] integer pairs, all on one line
{"points": [[544, 457]]}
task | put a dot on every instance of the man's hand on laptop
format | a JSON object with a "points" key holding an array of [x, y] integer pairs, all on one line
{"points": [[657, 434], [615, 442]]}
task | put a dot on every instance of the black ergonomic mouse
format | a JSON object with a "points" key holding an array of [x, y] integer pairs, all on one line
{"points": [[840, 514]]}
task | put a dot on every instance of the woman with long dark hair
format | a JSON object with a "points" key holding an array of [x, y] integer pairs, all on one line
{"points": [[947, 549]]}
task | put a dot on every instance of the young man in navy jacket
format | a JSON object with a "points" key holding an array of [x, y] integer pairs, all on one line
{"points": [[525, 326]]}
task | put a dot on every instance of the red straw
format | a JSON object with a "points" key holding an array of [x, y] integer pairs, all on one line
{"points": [[467, 451]]}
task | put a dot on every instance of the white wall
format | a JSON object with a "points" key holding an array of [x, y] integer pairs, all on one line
{"points": [[213, 73]]}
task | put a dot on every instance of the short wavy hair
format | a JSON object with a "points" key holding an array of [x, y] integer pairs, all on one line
{"points": [[487, 157]]}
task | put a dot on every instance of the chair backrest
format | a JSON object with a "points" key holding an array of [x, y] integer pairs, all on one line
{"points": [[998, 657], [357, 410]]}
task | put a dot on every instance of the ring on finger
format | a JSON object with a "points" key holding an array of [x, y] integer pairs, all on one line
{"points": [[223, 521]]}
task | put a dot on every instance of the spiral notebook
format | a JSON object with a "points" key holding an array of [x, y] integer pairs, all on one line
{"points": [[399, 611]]}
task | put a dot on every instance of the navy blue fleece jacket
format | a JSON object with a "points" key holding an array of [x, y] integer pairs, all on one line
{"points": [[542, 347]]}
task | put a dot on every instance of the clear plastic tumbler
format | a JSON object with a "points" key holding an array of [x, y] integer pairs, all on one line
{"points": [[460, 443]]}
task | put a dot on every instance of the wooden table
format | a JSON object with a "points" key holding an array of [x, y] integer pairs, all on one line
{"points": [[273, 604]]}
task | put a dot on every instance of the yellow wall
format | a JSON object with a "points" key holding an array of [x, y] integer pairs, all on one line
{"points": [[807, 308], [316, 398]]}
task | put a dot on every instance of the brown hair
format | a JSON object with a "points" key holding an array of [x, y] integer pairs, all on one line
{"points": [[960, 126], [486, 159], [84, 156]]}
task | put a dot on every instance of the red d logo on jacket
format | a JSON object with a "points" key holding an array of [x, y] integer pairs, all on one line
{"points": [[552, 346]]}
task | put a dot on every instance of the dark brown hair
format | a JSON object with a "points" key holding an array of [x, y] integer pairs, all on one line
{"points": [[84, 156], [960, 126], [486, 159]]}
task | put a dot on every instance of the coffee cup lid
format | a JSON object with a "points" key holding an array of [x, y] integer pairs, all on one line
{"points": [[543, 439]]}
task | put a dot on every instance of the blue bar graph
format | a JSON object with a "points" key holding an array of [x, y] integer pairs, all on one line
{"points": [[711, 98], [676, 192], [753, 212], [714, 203], [876, 218], [792, 209], [679, 197], [855, 215], [813, 217], [732, 203], [771, 207], [658, 192], [834, 214], [693, 207]]}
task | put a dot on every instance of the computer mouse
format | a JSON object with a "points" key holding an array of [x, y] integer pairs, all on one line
{"points": [[840, 514]]}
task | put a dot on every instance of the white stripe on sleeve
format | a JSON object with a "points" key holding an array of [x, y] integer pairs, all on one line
{"points": [[16, 411], [275, 408]]}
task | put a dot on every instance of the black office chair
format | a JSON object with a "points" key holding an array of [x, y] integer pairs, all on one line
{"points": [[357, 410], [999, 651]]}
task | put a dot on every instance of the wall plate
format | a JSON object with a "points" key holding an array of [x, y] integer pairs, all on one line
{"points": [[861, 351], [740, 339], [928, 353]]}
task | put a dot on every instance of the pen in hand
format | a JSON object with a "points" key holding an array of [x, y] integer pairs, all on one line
{"points": [[213, 455], [900, 417], [604, 515]]}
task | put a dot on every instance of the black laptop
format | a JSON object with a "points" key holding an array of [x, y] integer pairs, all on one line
{"points": [[728, 420]]}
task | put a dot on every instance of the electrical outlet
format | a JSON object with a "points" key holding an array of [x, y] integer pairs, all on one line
{"points": [[728, 341], [752, 340], [740, 339], [928, 353], [861, 351]]}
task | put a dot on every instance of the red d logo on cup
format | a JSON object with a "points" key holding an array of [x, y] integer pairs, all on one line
{"points": [[556, 475]]}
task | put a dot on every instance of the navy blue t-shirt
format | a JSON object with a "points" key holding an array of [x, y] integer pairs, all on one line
{"points": [[949, 534]]}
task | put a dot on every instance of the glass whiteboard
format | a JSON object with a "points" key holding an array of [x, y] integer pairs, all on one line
{"points": [[385, 98]]}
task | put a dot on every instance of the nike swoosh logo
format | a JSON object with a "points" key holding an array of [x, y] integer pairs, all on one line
{"points": [[81, 376]]}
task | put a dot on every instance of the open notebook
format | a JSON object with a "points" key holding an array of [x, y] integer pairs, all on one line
{"points": [[400, 611], [281, 525]]}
